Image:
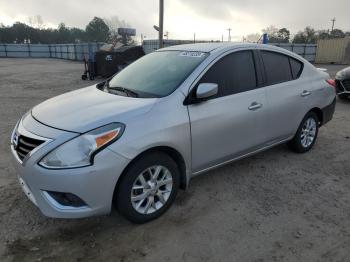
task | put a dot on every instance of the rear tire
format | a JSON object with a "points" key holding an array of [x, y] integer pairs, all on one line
{"points": [[306, 135], [148, 188]]}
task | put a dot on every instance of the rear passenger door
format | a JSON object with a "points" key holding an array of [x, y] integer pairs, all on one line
{"points": [[284, 94], [234, 122]]}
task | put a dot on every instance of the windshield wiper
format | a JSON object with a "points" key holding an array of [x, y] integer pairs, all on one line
{"points": [[127, 91]]}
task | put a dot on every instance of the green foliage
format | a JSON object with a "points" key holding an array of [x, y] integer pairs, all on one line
{"points": [[337, 33], [310, 36], [277, 35], [96, 30], [283, 35]]}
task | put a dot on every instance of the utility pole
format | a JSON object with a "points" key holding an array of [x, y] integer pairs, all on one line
{"points": [[229, 34], [161, 22], [222, 38], [194, 37], [333, 21]]}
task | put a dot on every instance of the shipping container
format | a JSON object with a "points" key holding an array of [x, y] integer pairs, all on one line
{"points": [[335, 51]]}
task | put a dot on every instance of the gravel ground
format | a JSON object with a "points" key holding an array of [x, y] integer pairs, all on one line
{"points": [[274, 206]]}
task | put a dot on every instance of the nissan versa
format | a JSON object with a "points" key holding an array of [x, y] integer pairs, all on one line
{"points": [[136, 138]]}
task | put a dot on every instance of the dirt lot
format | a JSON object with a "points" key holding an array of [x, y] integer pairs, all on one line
{"points": [[275, 206]]}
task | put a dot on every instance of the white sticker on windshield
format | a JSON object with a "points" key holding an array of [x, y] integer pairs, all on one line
{"points": [[191, 54]]}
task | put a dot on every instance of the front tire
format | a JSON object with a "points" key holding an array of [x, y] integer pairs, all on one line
{"points": [[148, 188], [306, 135]]}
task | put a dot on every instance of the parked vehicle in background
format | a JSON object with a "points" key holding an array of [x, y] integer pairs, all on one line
{"points": [[342, 79], [109, 60], [178, 112]]}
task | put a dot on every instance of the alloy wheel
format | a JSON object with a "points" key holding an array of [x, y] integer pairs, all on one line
{"points": [[151, 189], [308, 132]]}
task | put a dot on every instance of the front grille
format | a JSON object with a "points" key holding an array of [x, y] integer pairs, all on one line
{"points": [[339, 87], [25, 145], [346, 84]]}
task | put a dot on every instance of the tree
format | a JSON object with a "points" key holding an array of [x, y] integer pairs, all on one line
{"points": [[271, 31], [21, 32], [308, 36], [63, 33], [97, 30], [283, 35], [77, 35], [337, 33], [114, 23], [253, 38], [323, 34], [299, 38], [277, 35]]}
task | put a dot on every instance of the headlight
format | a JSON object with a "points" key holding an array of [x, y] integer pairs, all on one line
{"points": [[340, 75], [79, 151]]}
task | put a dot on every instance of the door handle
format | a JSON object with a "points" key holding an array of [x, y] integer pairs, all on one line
{"points": [[255, 106], [305, 93]]}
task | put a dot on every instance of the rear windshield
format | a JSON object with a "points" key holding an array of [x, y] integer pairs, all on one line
{"points": [[158, 74]]}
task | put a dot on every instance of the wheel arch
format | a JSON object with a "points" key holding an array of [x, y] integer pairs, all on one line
{"points": [[173, 153], [319, 114]]}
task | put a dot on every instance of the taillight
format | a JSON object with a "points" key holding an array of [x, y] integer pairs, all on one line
{"points": [[331, 82]]}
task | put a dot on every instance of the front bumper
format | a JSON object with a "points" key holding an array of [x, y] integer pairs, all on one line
{"points": [[93, 184], [343, 86]]}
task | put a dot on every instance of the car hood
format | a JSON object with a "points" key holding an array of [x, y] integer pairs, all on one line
{"points": [[88, 108]]}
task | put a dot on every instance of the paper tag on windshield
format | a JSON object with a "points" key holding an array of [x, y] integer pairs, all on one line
{"points": [[191, 54]]}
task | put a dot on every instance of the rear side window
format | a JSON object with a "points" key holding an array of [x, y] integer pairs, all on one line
{"points": [[234, 73], [296, 67], [277, 67]]}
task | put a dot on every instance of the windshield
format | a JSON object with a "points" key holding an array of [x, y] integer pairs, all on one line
{"points": [[157, 74]]}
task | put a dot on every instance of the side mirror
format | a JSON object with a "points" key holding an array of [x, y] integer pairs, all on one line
{"points": [[206, 90]]}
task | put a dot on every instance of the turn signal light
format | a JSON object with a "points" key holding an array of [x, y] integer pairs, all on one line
{"points": [[105, 138]]}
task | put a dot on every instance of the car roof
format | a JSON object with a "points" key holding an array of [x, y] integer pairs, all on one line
{"points": [[220, 47], [207, 47]]}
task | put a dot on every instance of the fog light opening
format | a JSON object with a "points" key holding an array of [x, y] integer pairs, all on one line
{"points": [[67, 199]]}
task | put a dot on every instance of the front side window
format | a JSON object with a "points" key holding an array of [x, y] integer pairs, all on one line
{"points": [[157, 74], [277, 67], [234, 73]]}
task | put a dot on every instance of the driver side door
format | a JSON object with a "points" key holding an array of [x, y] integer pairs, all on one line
{"points": [[233, 123]]}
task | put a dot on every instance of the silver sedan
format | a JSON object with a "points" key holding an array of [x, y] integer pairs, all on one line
{"points": [[135, 139]]}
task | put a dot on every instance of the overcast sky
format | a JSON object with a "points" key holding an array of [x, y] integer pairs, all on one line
{"points": [[208, 18]]}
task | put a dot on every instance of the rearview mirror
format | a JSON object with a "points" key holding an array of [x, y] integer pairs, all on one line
{"points": [[206, 90]]}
